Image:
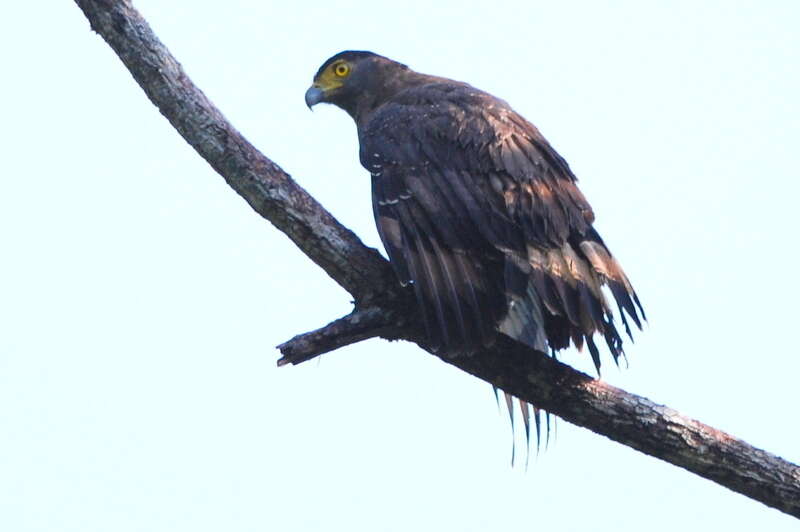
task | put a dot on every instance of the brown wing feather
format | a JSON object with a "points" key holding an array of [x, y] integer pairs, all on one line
{"points": [[486, 219]]}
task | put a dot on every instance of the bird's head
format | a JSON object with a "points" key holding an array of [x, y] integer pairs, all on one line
{"points": [[357, 81]]}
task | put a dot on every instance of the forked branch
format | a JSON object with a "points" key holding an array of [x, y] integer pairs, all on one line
{"points": [[383, 309]]}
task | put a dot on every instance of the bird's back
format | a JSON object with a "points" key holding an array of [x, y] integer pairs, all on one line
{"points": [[484, 218]]}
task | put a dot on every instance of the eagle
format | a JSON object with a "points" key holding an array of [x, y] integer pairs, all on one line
{"points": [[478, 213]]}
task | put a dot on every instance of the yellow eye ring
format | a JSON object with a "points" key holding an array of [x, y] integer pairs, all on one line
{"points": [[341, 70]]}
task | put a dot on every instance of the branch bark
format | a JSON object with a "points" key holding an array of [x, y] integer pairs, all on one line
{"points": [[383, 309], [359, 325]]}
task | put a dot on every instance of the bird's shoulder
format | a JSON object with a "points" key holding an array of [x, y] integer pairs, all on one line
{"points": [[443, 127], [439, 108], [454, 122]]}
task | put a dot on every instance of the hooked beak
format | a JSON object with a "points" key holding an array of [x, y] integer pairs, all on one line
{"points": [[314, 95]]}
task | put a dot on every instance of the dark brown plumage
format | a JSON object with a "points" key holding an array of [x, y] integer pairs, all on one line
{"points": [[477, 211]]}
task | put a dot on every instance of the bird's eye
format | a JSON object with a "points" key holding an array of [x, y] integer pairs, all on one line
{"points": [[342, 69]]}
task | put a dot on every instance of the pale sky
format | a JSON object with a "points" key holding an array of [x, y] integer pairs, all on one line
{"points": [[141, 298]]}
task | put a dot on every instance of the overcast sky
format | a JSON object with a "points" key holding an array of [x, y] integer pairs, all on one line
{"points": [[141, 298]]}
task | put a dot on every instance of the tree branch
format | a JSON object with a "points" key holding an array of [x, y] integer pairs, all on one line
{"points": [[359, 325], [269, 190], [384, 309]]}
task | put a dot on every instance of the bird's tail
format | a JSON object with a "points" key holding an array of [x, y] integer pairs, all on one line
{"points": [[562, 299]]}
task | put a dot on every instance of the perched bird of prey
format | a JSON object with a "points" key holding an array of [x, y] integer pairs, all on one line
{"points": [[477, 212]]}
